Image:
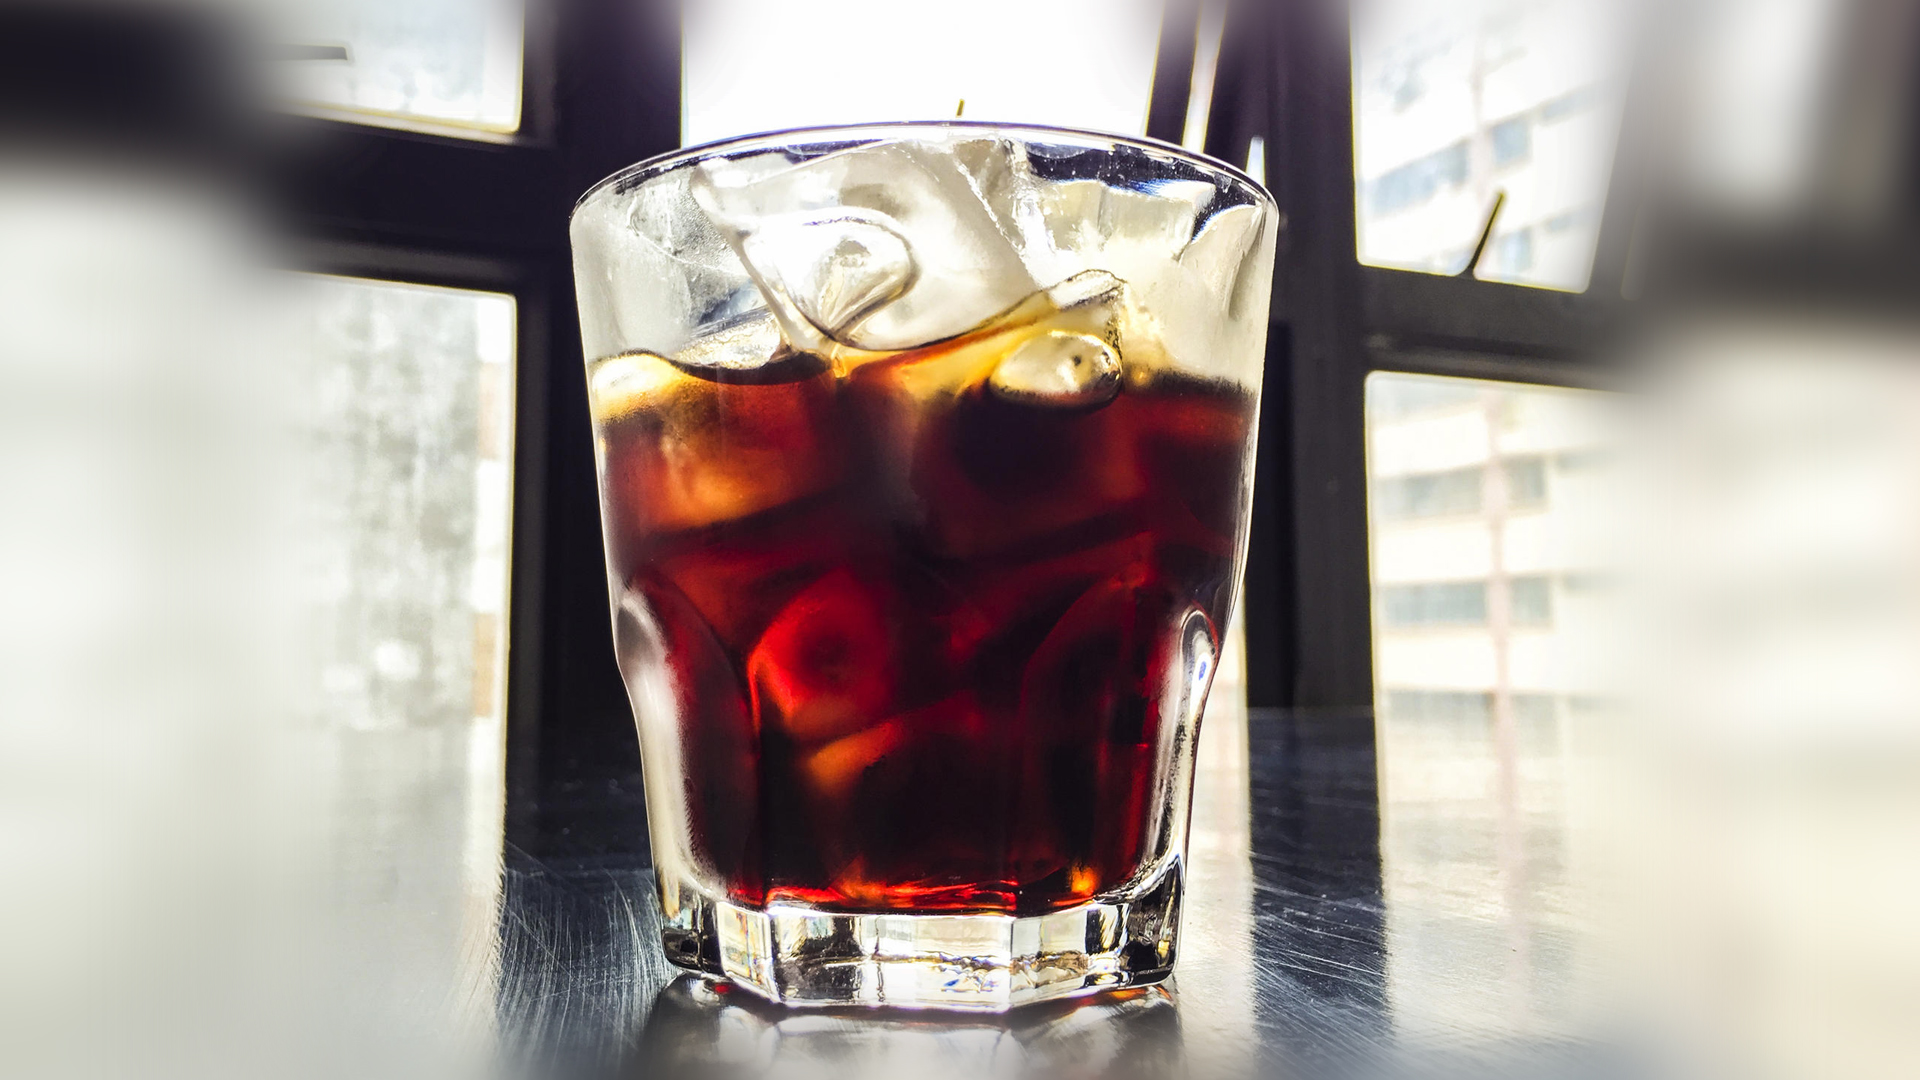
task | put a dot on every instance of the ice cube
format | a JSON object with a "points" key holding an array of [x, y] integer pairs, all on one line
{"points": [[1091, 723], [1219, 252], [1136, 233], [1193, 446], [826, 666], [1059, 370], [1201, 304], [741, 578], [678, 451], [833, 770], [650, 267], [1092, 292], [1083, 680], [977, 465], [1134, 227], [834, 269], [908, 800], [1089, 303], [965, 268], [748, 350]]}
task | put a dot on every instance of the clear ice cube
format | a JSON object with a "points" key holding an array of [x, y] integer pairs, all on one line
{"points": [[1093, 292], [834, 268], [1227, 258], [1059, 370], [659, 236], [1131, 232], [1218, 254], [670, 466], [963, 265], [1173, 241], [741, 345]]}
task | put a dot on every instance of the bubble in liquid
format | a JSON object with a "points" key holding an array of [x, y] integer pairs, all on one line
{"points": [[834, 270], [1059, 369]]}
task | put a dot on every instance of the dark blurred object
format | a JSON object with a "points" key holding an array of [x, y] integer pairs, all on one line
{"points": [[1773, 145], [148, 78]]}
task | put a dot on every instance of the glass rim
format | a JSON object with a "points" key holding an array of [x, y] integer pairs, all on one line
{"points": [[661, 164]]}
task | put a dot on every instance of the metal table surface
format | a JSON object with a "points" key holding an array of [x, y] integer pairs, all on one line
{"points": [[1297, 957]]}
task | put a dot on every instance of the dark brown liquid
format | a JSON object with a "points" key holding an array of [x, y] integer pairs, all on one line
{"points": [[919, 635]]}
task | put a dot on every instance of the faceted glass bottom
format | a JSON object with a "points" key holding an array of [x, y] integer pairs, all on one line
{"points": [[970, 963]]}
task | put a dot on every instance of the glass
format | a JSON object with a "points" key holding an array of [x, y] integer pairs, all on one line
{"points": [[1497, 613], [693, 1031], [412, 63], [405, 441], [925, 456], [929, 57], [1456, 103]]}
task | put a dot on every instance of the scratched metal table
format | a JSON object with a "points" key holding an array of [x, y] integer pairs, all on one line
{"points": [[1315, 944]]}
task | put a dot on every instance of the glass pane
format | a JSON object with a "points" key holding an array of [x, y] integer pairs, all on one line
{"points": [[407, 444], [1457, 103], [1494, 612], [756, 65], [438, 62]]}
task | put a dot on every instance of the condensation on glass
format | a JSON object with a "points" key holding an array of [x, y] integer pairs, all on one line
{"points": [[1496, 604], [917, 62], [411, 63], [406, 444], [1456, 104]]}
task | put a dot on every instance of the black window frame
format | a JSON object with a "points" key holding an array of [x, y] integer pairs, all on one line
{"points": [[430, 205], [603, 90], [1286, 77]]}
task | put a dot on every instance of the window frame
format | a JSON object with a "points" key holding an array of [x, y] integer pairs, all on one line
{"points": [[1286, 77], [440, 206], [603, 90], [422, 205], [533, 333]]}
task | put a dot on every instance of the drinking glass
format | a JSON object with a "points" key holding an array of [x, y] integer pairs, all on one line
{"points": [[925, 454]]}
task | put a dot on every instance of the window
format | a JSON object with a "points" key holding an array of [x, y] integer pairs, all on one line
{"points": [[1513, 253], [1453, 603], [1571, 104], [756, 65], [407, 441], [452, 63], [1458, 104], [1532, 600], [1513, 141], [1417, 182], [409, 433], [1429, 706], [1429, 494], [1572, 219], [1481, 729], [1526, 483]]}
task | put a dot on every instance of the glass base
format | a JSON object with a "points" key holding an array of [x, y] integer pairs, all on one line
{"points": [[971, 963]]}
